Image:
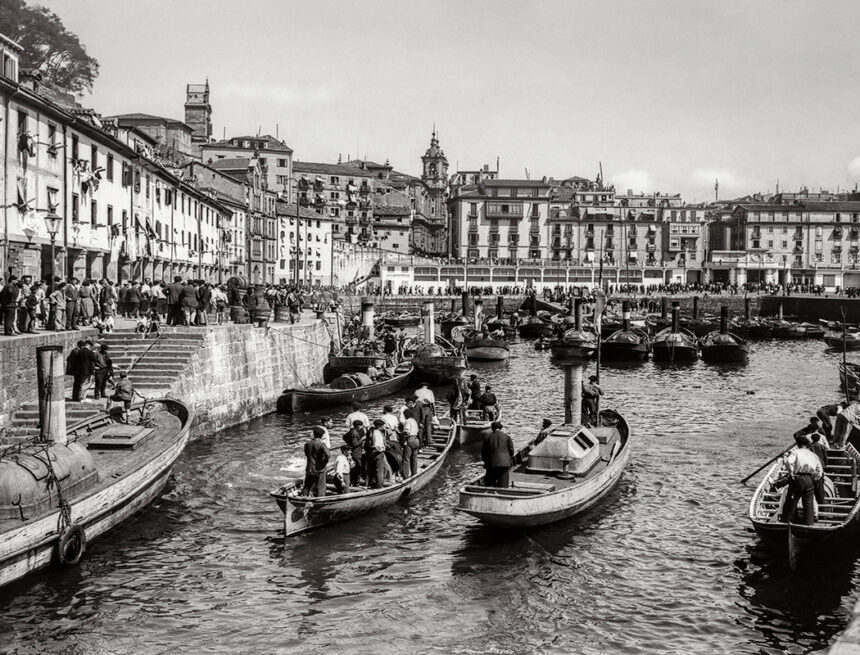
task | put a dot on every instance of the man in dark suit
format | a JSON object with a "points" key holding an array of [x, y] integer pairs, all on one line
{"points": [[9, 304], [316, 455], [72, 369], [72, 304], [204, 296], [497, 451], [174, 298], [189, 303], [85, 364]]}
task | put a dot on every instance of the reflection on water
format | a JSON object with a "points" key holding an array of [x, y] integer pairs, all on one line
{"points": [[668, 563]]}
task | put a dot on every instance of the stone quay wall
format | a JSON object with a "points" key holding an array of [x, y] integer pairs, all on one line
{"points": [[239, 371], [18, 367], [812, 308]]}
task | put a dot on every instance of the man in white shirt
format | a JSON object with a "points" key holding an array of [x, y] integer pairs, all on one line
{"points": [[425, 394], [357, 415], [804, 470], [376, 467], [325, 424], [411, 444], [342, 469], [392, 422]]}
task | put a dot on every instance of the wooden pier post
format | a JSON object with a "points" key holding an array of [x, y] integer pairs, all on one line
{"points": [[663, 307], [500, 308], [427, 312], [479, 306], [724, 319], [747, 308], [50, 373], [695, 307], [625, 315], [367, 318]]}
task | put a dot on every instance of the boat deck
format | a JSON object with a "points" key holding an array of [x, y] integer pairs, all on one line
{"points": [[122, 451], [534, 483]]}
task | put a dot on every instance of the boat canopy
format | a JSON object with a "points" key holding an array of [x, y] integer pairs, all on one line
{"points": [[572, 448]]}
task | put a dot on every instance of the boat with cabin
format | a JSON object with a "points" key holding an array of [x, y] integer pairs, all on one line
{"points": [[627, 343], [303, 513], [565, 474], [73, 483]]}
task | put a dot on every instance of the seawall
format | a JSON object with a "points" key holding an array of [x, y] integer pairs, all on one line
{"points": [[811, 308], [18, 367], [352, 304], [239, 371]]}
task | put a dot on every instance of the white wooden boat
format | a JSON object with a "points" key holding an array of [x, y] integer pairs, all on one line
{"points": [[565, 474], [305, 512], [838, 517], [105, 474], [474, 427]]}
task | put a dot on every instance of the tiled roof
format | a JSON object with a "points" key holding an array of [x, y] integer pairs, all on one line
{"points": [[289, 209], [137, 116], [329, 169], [272, 143], [512, 182], [231, 163], [388, 210], [831, 206]]}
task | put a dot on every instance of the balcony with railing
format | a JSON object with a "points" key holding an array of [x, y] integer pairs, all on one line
{"points": [[797, 250], [651, 247], [503, 210]]}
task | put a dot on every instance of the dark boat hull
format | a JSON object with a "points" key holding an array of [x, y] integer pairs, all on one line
{"points": [[725, 353], [298, 400], [439, 369], [536, 330], [488, 350], [623, 352], [836, 343], [668, 353], [573, 351]]}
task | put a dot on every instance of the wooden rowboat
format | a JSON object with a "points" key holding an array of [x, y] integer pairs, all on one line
{"points": [[478, 347], [838, 518], [402, 320], [723, 348], [296, 400], [849, 376], [106, 473], [545, 488], [834, 340], [474, 427], [305, 512], [356, 362]]}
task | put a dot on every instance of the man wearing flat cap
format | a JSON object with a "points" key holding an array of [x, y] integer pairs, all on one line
{"points": [[591, 392], [316, 455]]}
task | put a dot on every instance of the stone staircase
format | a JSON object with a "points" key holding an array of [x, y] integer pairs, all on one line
{"points": [[153, 365]]}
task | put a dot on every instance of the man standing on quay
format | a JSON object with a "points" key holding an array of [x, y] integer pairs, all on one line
{"points": [[497, 451]]}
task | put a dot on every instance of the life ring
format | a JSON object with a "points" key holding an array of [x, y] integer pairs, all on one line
{"points": [[71, 545]]}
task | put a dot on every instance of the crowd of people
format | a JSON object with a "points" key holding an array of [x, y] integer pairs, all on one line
{"points": [[374, 453]]}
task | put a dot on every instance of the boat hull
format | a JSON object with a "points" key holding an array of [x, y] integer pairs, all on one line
{"points": [[536, 330], [527, 512], [726, 353], [573, 351], [669, 353], [490, 350], [411, 321], [356, 363], [623, 352], [439, 369], [298, 400], [835, 342], [304, 513], [32, 546]]}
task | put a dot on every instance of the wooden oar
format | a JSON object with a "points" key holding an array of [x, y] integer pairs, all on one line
{"points": [[768, 462]]}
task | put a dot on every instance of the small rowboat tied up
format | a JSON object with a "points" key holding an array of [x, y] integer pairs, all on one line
{"points": [[837, 517], [297, 400], [849, 375], [104, 474], [305, 512], [564, 475], [834, 340]]}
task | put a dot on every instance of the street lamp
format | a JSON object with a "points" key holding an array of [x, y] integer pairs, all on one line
{"points": [[53, 223]]}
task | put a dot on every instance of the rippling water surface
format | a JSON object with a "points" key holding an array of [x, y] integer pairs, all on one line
{"points": [[667, 564]]}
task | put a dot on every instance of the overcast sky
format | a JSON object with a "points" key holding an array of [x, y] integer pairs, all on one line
{"points": [[667, 95]]}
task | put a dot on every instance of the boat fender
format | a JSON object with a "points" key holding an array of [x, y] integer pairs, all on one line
{"points": [[71, 545]]}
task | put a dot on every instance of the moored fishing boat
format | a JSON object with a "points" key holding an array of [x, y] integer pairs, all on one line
{"points": [[674, 344], [749, 327], [435, 359], [834, 340], [576, 343], [724, 347], [305, 512], [628, 343], [568, 472], [478, 342], [345, 389], [402, 320], [534, 326], [837, 517], [849, 376], [474, 426], [346, 361], [75, 483]]}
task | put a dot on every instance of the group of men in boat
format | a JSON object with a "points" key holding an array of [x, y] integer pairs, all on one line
{"points": [[374, 454], [469, 394]]}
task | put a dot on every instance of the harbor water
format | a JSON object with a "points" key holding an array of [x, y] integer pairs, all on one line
{"points": [[667, 564]]}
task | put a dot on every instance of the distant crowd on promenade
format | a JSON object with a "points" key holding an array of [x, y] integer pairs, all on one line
{"points": [[30, 305]]}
